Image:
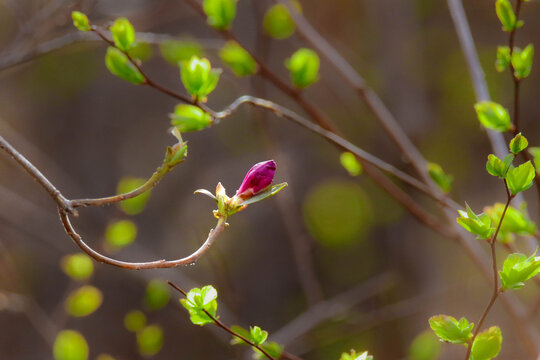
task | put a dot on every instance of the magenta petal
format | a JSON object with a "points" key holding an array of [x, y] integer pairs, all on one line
{"points": [[257, 178]]}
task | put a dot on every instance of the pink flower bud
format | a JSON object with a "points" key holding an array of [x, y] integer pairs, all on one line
{"points": [[258, 178]]}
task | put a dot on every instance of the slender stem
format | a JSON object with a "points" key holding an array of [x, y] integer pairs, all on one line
{"points": [[158, 264], [218, 323]]}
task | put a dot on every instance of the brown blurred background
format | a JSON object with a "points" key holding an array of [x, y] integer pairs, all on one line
{"points": [[326, 234]]}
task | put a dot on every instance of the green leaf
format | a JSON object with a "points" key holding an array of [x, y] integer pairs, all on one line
{"points": [[121, 233], [80, 21], [303, 68], [137, 204], [190, 118], [198, 300], [487, 344], [157, 294], [520, 178], [517, 269], [141, 51], [535, 152], [119, 65], [506, 15], [493, 116], [278, 22], [176, 51], [522, 61], [350, 163], [240, 331], [135, 320], [198, 77], [503, 58], [497, 167], [269, 191], [353, 355], [123, 34], [440, 178], [479, 225], [238, 59], [70, 345], [425, 347], [448, 329], [220, 13], [77, 266], [83, 301], [272, 348], [257, 335], [515, 221], [518, 144], [150, 340]]}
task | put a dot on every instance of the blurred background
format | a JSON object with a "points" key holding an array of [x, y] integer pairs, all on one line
{"points": [[329, 264]]}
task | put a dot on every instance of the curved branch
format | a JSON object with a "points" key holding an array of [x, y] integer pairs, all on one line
{"points": [[158, 264]]}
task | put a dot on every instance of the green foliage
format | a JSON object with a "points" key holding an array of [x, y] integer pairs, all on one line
{"points": [[353, 355], [70, 345], [535, 152], [493, 116], [141, 51], [198, 77], [257, 335], [272, 348], [176, 51], [487, 344], [479, 225], [439, 177], [520, 178], [269, 191], [503, 58], [515, 221], [518, 144], [118, 64], [448, 329], [80, 21], [198, 301], [517, 269], [121, 233], [157, 294], [350, 163], [425, 347], [522, 61], [506, 15], [123, 34], [278, 22], [150, 340], [135, 320], [83, 301], [190, 118], [238, 59], [77, 266], [137, 204], [303, 68], [498, 167], [220, 13]]}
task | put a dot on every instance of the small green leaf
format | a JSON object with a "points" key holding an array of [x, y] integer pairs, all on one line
{"points": [[518, 144], [273, 349], [517, 269], [497, 167], [135, 320], [257, 335], [150, 340], [70, 345], [80, 21], [220, 13], [198, 77], [123, 34], [137, 204], [77, 266], [522, 61], [503, 58], [198, 300], [439, 177], [514, 222], [520, 178], [353, 355], [493, 116], [238, 59], [303, 68], [157, 294], [141, 51], [176, 51], [448, 329], [350, 163], [190, 118], [270, 191], [119, 65], [240, 331], [506, 15], [83, 301], [535, 152], [487, 344], [121, 233], [479, 225], [425, 347], [278, 22]]}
